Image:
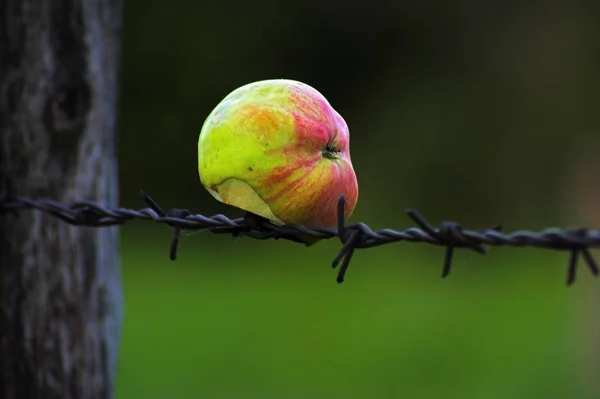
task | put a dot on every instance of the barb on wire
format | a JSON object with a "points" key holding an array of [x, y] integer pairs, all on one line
{"points": [[450, 235]]}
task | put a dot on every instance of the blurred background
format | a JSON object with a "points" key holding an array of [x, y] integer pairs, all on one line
{"points": [[482, 112]]}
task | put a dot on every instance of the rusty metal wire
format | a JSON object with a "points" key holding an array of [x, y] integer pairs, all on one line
{"points": [[356, 236]]}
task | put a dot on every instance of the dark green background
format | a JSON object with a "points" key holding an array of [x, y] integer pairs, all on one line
{"points": [[478, 112]]}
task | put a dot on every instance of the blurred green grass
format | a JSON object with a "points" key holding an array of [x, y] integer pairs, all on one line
{"points": [[250, 319]]}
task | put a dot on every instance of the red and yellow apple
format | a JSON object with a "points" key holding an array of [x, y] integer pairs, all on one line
{"points": [[278, 149]]}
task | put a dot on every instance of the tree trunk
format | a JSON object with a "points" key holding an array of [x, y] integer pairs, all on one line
{"points": [[584, 203], [60, 289]]}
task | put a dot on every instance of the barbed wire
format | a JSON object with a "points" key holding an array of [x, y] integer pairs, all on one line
{"points": [[356, 236]]}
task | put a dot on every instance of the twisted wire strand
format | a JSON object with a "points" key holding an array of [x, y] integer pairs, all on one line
{"points": [[356, 236]]}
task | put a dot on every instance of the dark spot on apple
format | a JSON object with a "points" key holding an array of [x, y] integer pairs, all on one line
{"points": [[250, 168], [329, 151]]}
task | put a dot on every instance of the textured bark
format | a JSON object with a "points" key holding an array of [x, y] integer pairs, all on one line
{"points": [[584, 203], [60, 290]]}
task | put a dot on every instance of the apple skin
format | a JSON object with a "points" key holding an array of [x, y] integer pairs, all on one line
{"points": [[278, 149]]}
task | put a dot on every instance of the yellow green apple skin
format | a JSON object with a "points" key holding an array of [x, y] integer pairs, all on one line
{"points": [[278, 149]]}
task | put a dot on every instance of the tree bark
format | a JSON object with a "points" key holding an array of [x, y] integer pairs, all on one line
{"points": [[584, 207], [60, 289]]}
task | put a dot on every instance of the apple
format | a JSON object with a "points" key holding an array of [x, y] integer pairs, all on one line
{"points": [[278, 149]]}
